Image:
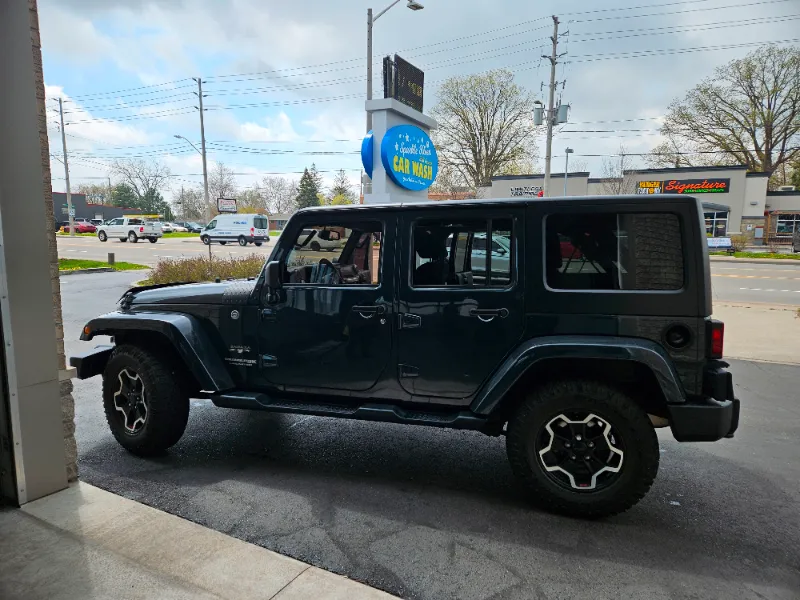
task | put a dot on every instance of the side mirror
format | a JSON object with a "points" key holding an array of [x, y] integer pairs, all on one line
{"points": [[273, 275]]}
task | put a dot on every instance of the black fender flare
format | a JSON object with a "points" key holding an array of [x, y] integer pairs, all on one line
{"points": [[535, 350], [184, 332]]}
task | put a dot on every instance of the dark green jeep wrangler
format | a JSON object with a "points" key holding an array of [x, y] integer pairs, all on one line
{"points": [[574, 327]]}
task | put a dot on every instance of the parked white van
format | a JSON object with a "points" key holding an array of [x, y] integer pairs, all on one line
{"points": [[253, 229]]}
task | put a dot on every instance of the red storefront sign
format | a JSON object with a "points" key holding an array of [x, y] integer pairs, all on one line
{"points": [[697, 186]]}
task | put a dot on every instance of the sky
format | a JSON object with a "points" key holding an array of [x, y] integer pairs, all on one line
{"points": [[284, 83]]}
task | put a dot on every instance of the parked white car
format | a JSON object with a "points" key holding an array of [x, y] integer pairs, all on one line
{"points": [[166, 227], [245, 229], [130, 229], [178, 228]]}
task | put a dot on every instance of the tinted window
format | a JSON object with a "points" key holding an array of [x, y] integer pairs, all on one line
{"points": [[453, 253], [610, 251], [336, 253], [260, 223], [135, 221]]}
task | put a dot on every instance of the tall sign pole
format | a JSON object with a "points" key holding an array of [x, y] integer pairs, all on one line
{"points": [[66, 170], [550, 113], [369, 66]]}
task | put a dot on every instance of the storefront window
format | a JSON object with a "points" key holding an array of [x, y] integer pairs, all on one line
{"points": [[716, 224], [788, 224]]}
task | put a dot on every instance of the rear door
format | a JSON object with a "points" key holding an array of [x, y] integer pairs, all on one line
{"points": [[461, 308]]}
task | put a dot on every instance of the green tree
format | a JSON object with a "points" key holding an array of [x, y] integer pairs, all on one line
{"points": [[307, 191], [485, 126], [342, 186], [747, 113], [122, 195], [317, 176], [341, 200]]}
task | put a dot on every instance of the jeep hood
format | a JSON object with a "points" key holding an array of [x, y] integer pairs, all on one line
{"points": [[190, 293]]}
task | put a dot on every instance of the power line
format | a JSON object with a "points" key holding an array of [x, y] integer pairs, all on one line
{"points": [[680, 12]]}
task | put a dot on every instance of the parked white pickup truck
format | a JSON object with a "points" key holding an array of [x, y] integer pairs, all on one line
{"points": [[130, 229]]}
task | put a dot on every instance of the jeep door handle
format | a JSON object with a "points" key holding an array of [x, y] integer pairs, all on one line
{"points": [[367, 312], [410, 321], [488, 314]]}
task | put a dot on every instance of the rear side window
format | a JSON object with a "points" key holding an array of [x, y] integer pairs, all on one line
{"points": [[614, 251], [135, 221]]}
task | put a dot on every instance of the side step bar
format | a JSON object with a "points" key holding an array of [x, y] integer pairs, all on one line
{"points": [[385, 413]]}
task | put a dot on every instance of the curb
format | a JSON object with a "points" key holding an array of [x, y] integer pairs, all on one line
{"points": [[77, 271], [762, 261]]}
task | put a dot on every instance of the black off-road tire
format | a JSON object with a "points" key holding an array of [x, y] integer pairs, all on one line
{"points": [[167, 400], [629, 421]]}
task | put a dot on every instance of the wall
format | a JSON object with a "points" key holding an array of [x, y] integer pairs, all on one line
{"points": [[577, 185], [785, 201], [86, 210]]}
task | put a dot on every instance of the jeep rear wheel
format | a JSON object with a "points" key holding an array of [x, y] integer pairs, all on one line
{"points": [[583, 448], [146, 407]]}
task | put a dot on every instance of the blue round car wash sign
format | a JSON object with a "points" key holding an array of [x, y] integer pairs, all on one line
{"points": [[367, 144], [409, 157]]}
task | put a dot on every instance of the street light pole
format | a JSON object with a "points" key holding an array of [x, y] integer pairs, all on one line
{"points": [[412, 5], [566, 168], [205, 172]]}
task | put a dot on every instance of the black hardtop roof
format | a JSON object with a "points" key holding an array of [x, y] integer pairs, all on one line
{"points": [[651, 199]]}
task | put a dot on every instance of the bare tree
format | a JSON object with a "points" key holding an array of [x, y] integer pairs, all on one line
{"points": [[748, 113], [192, 204], [279, 194], [578, 166], [615, 181], [251, 201], [95, 193], [450, 182], [221, 183], [144, 178], [485, 125]]}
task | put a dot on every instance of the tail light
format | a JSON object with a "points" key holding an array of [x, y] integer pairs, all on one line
{"points": [[717, 338], [141, 229], [252, 230]]}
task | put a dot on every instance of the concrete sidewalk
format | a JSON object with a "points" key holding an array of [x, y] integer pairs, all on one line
{"points": [[766, 332], [90, 544]]}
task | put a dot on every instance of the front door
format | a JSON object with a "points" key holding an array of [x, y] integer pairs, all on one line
{"points": [[461, 307], [330, 325]]}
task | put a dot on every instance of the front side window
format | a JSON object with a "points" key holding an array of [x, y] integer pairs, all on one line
{"points": [[614, 251], [340, 253], [450, 253], [212, 225]]}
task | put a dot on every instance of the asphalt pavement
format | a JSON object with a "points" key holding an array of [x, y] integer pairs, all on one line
{"points": [[436, 514], [756, 282], [145, 253]]}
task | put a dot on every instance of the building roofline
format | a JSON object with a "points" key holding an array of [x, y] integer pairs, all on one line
{"points": [[759, 174], [686, 170], [780, 193], [538, 176]]}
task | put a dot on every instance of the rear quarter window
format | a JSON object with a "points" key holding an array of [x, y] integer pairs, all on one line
{"points": [[614, 251]]}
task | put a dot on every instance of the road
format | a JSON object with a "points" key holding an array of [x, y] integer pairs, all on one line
{"points": [[145, 253], [435, 514], [754, 282]]}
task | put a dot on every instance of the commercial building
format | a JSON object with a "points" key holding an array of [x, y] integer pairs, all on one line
{"points": [[87, 210], [735, 200]]}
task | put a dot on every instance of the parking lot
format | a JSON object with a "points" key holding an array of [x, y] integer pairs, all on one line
{"points": [[436, 514]]}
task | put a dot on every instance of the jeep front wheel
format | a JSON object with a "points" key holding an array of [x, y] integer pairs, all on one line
{"points": [[146, 407], [583, 448]]}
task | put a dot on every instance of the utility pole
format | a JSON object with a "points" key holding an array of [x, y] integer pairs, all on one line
{"points": [[108, 198], [550, 112], [199, 93], [66, 170]]}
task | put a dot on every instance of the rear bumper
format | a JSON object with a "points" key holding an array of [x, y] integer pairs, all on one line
{"points": [[91, 363], [711, 417]]}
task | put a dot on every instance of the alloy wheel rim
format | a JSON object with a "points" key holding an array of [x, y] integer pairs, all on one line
{"points": [[130, 400], [580, 451]]}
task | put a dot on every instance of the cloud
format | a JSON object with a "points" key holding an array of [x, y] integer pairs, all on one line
{"points": [[277, 129]]}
